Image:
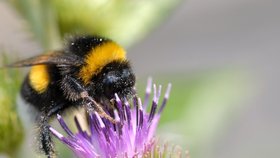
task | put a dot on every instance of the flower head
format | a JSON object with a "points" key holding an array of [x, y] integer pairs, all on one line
{"points": [[132, 135]]}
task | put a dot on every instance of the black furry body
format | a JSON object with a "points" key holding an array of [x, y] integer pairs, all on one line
{"points": [[53, 94], [67, 90]]}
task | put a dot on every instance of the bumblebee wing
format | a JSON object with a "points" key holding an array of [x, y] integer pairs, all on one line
{"points": [[58, 58]]}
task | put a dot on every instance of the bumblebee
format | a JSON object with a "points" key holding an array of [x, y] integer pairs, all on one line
{"points": [[87, 72]]}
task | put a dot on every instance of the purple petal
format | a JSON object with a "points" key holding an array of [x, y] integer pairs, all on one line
{"points": [[64, 126], [166, 97], [148, 92]]}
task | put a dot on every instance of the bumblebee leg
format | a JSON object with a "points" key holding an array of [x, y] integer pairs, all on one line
{"points": [[74, 91], [92, 104], [72, 88], [46, 143]]}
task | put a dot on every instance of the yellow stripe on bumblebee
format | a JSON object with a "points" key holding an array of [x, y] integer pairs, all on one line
{"points": [[39, 78], [99, 57]]}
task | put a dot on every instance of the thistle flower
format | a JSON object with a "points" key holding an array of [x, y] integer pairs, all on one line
{"points": [[132, 136]]}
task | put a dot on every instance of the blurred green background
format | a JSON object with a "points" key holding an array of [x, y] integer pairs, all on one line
{"points": [[222, 58]]}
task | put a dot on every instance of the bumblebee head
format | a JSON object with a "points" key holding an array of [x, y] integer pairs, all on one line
{"points": [[106, 69], [116, 77]]}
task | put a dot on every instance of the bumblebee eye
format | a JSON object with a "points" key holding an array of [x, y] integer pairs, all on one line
{"points": [[110, 82]]}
